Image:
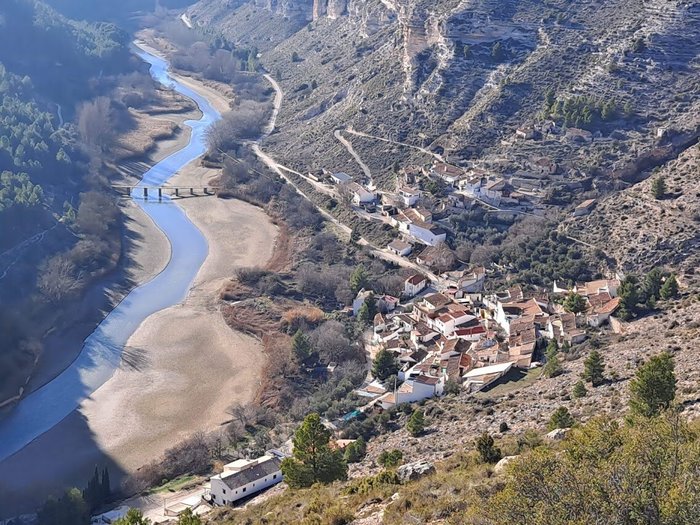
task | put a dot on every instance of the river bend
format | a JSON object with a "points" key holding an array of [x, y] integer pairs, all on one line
{"points": [[102, 350]]}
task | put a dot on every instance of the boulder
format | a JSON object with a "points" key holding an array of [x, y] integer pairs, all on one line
{"points": [[498, 467], [415, 470], [558, 434]]}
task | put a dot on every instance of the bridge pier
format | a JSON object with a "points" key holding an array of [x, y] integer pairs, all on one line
{"points": [[145, 193], [191, 191], [177, 192], [160, 194], [206, 191]]}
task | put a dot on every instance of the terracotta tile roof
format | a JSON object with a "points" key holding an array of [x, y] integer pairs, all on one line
{"points": [[609, 307], [598, 299], [472, 330], [437, 300], [416, 279], [426, 380]]}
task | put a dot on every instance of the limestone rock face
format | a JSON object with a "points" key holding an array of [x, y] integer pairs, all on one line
{"points": [[415, 470]]}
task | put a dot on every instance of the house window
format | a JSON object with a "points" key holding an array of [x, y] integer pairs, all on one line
{"points": [[213, 496], [274, 476], [244, 489], [224, 491]]}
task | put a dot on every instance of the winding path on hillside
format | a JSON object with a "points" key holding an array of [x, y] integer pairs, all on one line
{"points": [[338, 134], [279, 169], [437, 156]]}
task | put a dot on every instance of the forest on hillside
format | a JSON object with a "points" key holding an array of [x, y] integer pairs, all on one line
{"points": [[56, 117]]}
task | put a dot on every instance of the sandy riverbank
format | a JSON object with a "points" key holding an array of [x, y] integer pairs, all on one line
{"points": [[182, 367], [191, 365]]}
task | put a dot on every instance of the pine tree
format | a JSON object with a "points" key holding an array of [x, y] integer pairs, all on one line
{"points": [[552, 367], [358, 279], [187, 517], [313, 461], [385, 365], [593, 368], [488, 452], [652, 283], [92, 494], [579, 390], [355, 451], [574, 303], [368, 310], [301, 346], [416, 423], [653, 387], [133, 517], [629, 295], [669, 290], [658, 188], [390, 458], [105, 485], [561, 419]]}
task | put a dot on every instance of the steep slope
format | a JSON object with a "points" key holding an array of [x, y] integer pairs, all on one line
{"points": [[463, 75]]}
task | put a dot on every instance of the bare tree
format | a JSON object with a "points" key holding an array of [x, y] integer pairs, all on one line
{"points": [[244, 122], [331, 342], [59, 279], [96, 124]]}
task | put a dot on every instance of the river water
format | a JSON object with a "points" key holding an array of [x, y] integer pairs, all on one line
{"points": [[102, 350]]}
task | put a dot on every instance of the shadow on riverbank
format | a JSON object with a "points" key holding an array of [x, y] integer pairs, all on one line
{"points": [[59, 459], [62, 346]]}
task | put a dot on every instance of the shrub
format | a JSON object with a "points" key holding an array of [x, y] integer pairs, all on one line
{"points": [[488, 452], [390, 459]]}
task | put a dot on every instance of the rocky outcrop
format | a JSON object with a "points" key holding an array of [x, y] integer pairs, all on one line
{"points": [[413, 471], [501, 465]]}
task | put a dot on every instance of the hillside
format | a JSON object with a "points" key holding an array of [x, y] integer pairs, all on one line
{"points": [[51, 68], [602, 94], [461, 77]]}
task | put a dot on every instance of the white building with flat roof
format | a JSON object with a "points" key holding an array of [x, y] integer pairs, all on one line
{"points": [[243, 478]]}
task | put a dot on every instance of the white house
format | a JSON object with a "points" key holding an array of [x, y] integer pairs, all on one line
{"points": [[341, 178], [360, 299], [361, 195], [408, 196], [242, 478], [400, 247], [427, 233], [478, 378], [450, 174], [492, 191], [467, 281], [415, 284], [412, 390], [446, 323]]}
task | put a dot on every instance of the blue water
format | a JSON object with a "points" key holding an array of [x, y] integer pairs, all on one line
{"points": [[102, 350]]}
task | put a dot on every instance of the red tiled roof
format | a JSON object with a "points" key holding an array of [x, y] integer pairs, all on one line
{"points": [[416, 279]]}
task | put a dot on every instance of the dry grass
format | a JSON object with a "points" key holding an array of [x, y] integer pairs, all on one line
{"points": [[141, 140], [282, 256], [310, 314]]}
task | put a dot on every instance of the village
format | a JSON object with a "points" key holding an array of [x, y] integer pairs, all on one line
{"points": [[451, 336]]}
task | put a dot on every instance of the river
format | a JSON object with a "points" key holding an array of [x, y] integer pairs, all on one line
{"points": [[102, 350]]}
